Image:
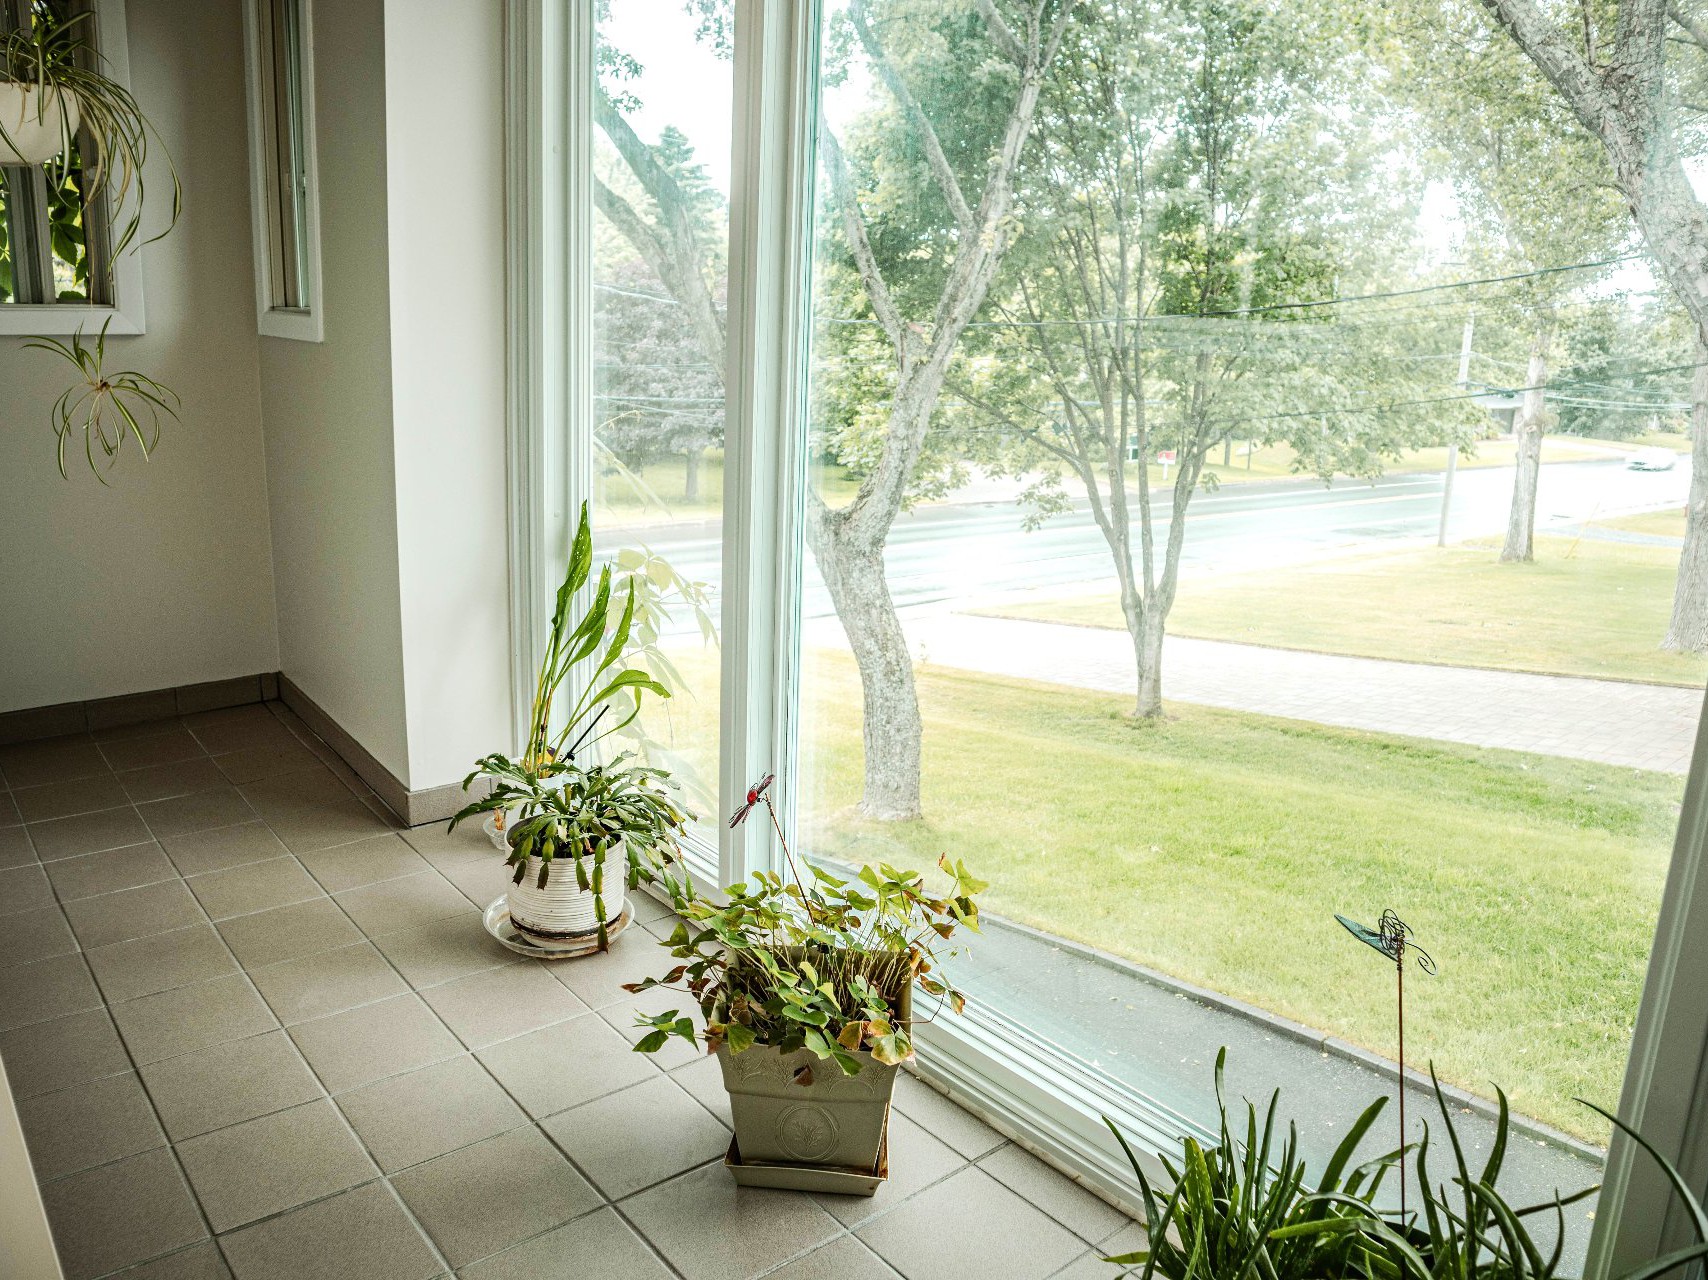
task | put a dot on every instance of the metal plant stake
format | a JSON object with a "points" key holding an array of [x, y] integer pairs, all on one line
{"points": [[1391, 937]]}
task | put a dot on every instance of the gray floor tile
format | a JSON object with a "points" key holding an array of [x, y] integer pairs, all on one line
{"points": [[46, 989], [681, 1215], [277, 1162], [238, 728], [88, 833], [500, 1003], [598, 979], [676, 1052], [410, 1118], [9, 815], [24, 888], [1087, 1216], [256, 886], [200, 851], [349, 866], [487, 1197], [369, 1043], [405, 903], [163, 781], [159, 748], [88, 874], [16, 849], [945, 1120], [184, 1019], [1090, 1266], [58, 1054], [328, 982], [996, 1232], [567, 1251], [443, 950], [198, 1262], [228, 1083], [222, 806], [63, 799], [638, 1136], [118, 1214], [89, 1124], [270, 937], [916, 1161], [127, 970], [34, 935], [704, 1078], [531, 1066], [133, 913], [252, 764], [844, 1258], [29, 764], [363, 1232], [305, 830]]}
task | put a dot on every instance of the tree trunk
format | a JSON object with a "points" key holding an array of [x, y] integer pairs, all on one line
{"points": [[890, 728], [1147, 654], [691, 475], [1527, 430], [1689, 628]]}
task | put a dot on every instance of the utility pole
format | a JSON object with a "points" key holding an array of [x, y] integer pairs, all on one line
{"points": [[1453, 449]]}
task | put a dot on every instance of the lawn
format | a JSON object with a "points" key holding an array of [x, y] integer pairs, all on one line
{"points": [[1667, 524], [1584, 607], [1215, 846]]}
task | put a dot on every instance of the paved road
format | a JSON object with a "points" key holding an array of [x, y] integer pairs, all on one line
{"points": [[967, 552]]}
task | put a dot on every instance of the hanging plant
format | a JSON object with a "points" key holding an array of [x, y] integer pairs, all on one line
{"points": [[105, 408]]}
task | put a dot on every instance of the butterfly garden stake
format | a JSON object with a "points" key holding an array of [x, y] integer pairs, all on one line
{"points": [[1392, 937]]}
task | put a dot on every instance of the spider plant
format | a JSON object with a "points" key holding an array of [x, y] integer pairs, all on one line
{"points": [[105, 408], [1234, 1215], [107, 135]]}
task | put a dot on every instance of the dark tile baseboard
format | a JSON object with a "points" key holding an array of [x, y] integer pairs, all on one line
{"points": [[134, 708], [413, 808]]}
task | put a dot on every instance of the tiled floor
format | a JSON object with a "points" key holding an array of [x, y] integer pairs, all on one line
{"points": [[254, 1029]]}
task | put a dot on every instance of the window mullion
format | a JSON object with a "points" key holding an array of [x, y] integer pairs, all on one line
{"points": [[776, 61]]}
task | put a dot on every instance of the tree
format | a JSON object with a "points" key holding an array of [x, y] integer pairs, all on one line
{"points": [[977, 86], [1618, 85], [1195, 177]]}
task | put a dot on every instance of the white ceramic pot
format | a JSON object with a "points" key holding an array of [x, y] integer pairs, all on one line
{"points": [[563, 909], [36, 132]]}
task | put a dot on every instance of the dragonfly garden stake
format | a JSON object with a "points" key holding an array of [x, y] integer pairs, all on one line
{"points": [[1392, 937]]}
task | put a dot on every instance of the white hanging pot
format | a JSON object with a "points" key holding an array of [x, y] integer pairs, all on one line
{"points": [[563, 909], [36, 120]]}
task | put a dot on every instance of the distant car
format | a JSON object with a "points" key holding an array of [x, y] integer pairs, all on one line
{"points": [[1655, 459]]}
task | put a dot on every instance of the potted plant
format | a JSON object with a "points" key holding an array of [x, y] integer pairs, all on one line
{"points": [[561, 821], [806, 986], [56, 105]]}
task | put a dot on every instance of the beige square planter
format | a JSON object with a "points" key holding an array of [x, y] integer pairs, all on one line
{"points": [[835, 1123]]}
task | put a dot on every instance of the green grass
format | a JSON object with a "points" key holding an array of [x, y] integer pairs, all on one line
{"points": [[1585, 607], [653, 494], [1214, 846], [1669, 524]]}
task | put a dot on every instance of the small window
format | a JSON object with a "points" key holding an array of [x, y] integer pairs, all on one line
{"points": [[282, 169], [57, 261]]}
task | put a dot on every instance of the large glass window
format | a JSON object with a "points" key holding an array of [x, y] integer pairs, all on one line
{"points": [[1132, 411], [660, 266]]}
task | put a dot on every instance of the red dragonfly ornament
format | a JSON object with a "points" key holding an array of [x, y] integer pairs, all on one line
{"points": [[755, 794]]}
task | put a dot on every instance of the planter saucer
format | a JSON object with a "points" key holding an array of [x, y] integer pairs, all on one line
{"points": [[499, 924], [809, 1177]]}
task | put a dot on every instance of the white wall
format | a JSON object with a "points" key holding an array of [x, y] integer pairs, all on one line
{"points": [[165, 578], [327, 412], [445, 178]]}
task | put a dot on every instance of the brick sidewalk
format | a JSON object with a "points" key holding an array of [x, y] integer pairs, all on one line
{"points": [[1644, 726]]}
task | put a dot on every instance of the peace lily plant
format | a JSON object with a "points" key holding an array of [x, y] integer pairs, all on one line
{"points": [[804, 987], [560, 816]]}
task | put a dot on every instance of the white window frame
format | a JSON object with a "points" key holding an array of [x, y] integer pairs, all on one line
{"points": [[306, 323], [127, 313], [1032, 1090]]}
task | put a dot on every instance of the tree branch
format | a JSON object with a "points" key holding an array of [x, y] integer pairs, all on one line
{"points": [[939, 162], [1695, 30], [1001, 34], [859, 242]]}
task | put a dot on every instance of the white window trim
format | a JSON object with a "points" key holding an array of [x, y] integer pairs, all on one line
{"points": [[306, 323], [127, 314], [1028, 1088]]}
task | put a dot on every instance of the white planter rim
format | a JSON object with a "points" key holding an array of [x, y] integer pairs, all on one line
{"points": [[37, 127]]}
